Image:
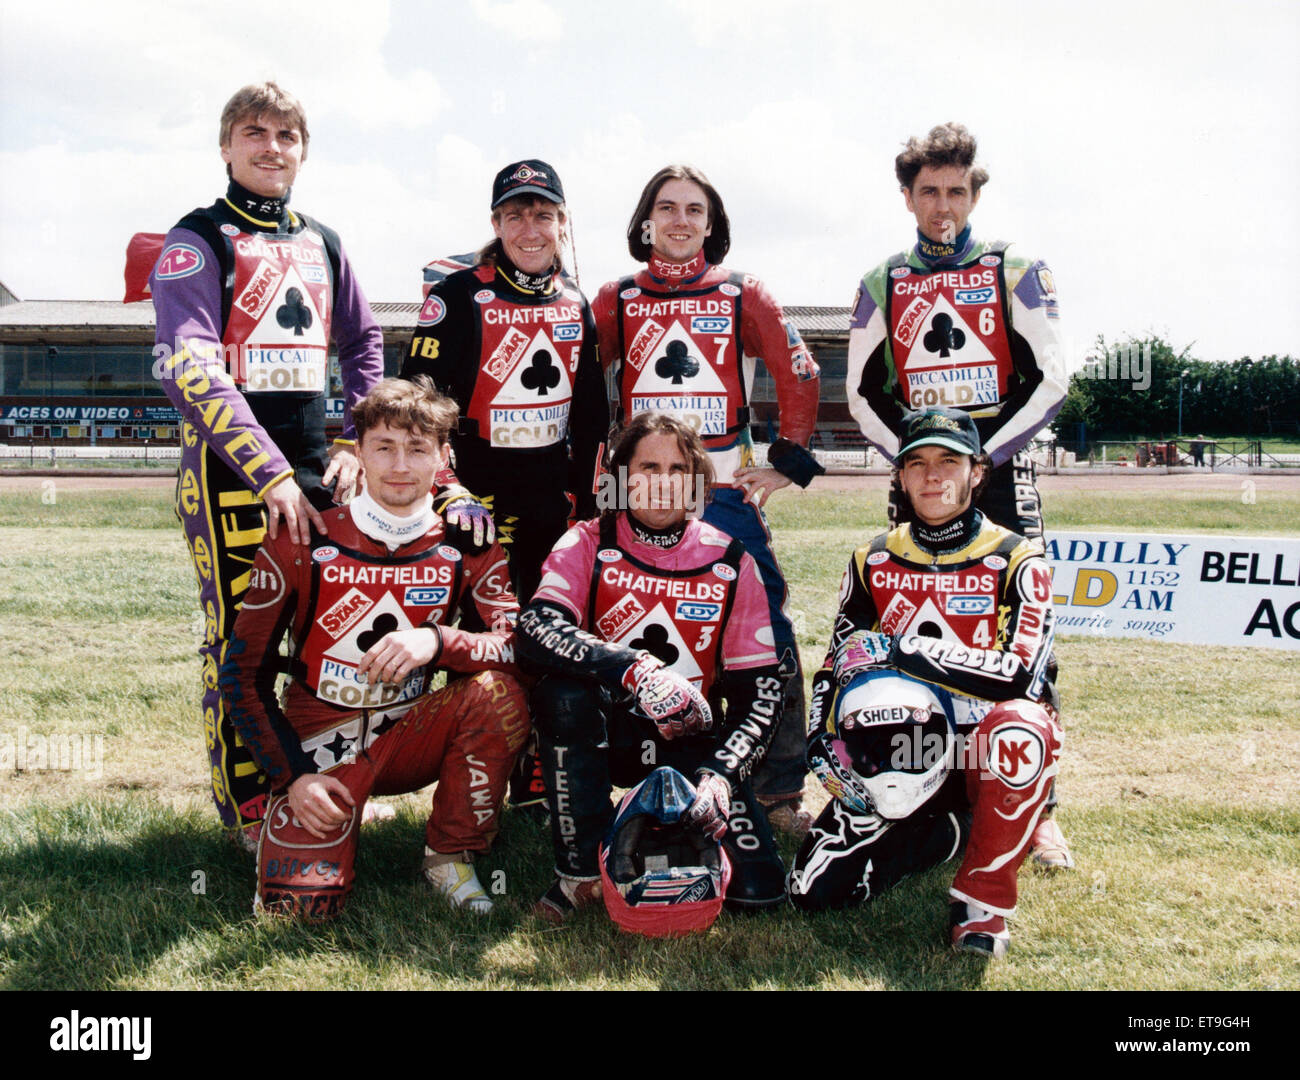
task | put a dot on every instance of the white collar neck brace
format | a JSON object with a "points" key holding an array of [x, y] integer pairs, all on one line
{"points": [[389, 529]]}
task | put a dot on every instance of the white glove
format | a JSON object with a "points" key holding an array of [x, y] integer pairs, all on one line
{"points": [[712, 806]]}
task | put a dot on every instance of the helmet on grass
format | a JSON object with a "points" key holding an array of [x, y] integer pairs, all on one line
{"points": [[662, 877]]}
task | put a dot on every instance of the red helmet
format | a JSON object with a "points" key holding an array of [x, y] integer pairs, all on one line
{"points": [[661, 877]]}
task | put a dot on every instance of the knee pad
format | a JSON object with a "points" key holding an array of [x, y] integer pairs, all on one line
{"points": [[501, 704], [1019, 743]]}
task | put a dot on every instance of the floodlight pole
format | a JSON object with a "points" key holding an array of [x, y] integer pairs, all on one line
{"points": [[1181, 376]]}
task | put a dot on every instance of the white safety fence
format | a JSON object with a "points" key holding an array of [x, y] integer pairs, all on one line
{"points": [[847, 460]]}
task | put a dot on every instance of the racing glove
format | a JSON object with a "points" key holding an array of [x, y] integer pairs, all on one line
{"points": [[861, 650], [457, 507], [668, 699], [712, 805]]}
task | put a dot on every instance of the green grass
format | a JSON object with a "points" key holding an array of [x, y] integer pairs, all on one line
{"points": [[1268, 513], [840, 521], [50, 505], [1179, 794]]}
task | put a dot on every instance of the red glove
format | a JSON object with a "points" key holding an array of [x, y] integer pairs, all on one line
{"points": [[668, 699]]}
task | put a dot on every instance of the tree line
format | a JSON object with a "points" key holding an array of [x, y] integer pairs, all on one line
{"points": [[1131, 389]]}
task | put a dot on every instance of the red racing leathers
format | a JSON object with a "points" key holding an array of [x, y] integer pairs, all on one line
{"points": [[686, 343], [337, 598], [975, 618]]}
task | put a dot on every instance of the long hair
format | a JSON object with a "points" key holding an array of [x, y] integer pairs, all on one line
{"points": [[716, 244], [628, 438]]}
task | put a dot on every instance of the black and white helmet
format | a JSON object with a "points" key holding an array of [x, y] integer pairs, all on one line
{"points": [[888, 743]]}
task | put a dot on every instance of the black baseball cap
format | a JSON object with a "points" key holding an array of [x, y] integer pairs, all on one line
{"points": [[940, 427], [527, 178]]}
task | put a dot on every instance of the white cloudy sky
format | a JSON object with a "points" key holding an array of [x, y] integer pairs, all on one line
{"points": [[1147, 150]]}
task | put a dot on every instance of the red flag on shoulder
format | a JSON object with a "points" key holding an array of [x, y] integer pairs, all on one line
{"points": [[142, 253]]}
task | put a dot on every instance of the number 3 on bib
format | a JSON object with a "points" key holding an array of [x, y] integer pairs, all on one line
{"points": [[706, 638]]}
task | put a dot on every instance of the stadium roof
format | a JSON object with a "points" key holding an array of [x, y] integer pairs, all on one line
{"points": [[64, 315]]}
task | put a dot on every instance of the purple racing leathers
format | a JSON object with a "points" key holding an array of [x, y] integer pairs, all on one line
{"points": [[248, 296]]}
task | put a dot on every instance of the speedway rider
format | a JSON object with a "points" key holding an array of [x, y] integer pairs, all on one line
{"points": [[956, 601], [511, 341], [248, 296], [644, 623], [962, 323], [681, 336], [370, 609]]}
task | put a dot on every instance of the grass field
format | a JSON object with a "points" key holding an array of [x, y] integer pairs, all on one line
{"points": [[1179, 794]]}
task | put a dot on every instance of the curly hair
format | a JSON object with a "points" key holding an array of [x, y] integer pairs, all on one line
{"points": [[414, 404], [716, 244], [947, 144]]}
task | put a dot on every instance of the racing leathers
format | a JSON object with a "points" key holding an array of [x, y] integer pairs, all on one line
{"points": [[971, 325], [248, 295], [683, 338], [966, 606], [616, 599], [371, 576], [517, 353]]}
